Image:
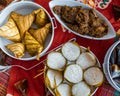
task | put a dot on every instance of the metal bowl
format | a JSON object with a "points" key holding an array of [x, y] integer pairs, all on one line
{"points": [[107, 66], [23, 7]]}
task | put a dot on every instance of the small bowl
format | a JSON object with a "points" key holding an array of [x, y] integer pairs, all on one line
{"points": [[23, 7], [83, 49], [106, 66], [111, 33]]}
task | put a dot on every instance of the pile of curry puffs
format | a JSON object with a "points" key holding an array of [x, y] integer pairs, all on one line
{"points": [[19, 29]]}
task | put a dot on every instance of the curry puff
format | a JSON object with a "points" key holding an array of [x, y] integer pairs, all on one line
{"points": [[17, 49], [41, 33], [32, 46], [41, 18], [10, 31], [23, 22]]}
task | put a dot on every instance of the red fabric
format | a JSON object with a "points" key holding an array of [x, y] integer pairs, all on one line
{"points": [[36, 86], [108, 12]]}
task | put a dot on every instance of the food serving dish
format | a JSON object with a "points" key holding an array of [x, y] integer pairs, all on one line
{"points": [[52, 4], [50, 71], [24, 7], [112, 73]]}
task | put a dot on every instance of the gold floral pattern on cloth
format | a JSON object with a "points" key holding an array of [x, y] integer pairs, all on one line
{"points": [[4, 59], [102, 4], [4, 73], [4, 77]]}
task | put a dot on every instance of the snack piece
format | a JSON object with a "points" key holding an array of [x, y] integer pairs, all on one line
{"points": [[63, 90], [23, 21], [71, 51], [32, 46], [53, 78], [41, 18], [81, 89], [22, 86], [17, 49], [94, 76], [86, 60], [10, 31], [56, 61], [41, 33], [116, 11], [73, 73], [115, 71]]}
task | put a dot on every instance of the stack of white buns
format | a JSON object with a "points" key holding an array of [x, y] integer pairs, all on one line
{"points": [[72, 71]]}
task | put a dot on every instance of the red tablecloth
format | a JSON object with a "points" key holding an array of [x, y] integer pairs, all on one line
{"points": [[99, 48]]}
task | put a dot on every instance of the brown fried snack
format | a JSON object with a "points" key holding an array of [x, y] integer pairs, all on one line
{"points": [[22, 86], [116, 11]]}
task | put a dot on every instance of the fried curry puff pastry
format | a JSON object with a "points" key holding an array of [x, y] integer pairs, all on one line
{"points": [[32, 46], [41, 18], [23, 22], [41, 33], [17, 49], [10, 31]]}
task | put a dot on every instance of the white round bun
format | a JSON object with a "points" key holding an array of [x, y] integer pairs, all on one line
{"points": [[53, 78], [93, 76], [56, 60], [63, 90], [81, 89], [73, 73], [86, 60], [70, 51]]}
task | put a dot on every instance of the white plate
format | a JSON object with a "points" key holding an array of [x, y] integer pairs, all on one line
{"points": [[23, 7], [111, 32]]}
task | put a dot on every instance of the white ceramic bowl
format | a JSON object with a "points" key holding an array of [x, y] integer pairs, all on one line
{"points": [[106, 66], [23, 7], [111, 32]]}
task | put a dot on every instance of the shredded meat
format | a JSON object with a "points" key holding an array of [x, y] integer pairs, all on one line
{"points": [[81, 20], [82, 16], [57, 9], [68, 14]]}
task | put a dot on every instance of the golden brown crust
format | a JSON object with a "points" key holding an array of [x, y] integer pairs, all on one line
{"points": [[23, 22], [41, 33], [32, 46], [10, 31], [17, 49], [41, 18]]}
